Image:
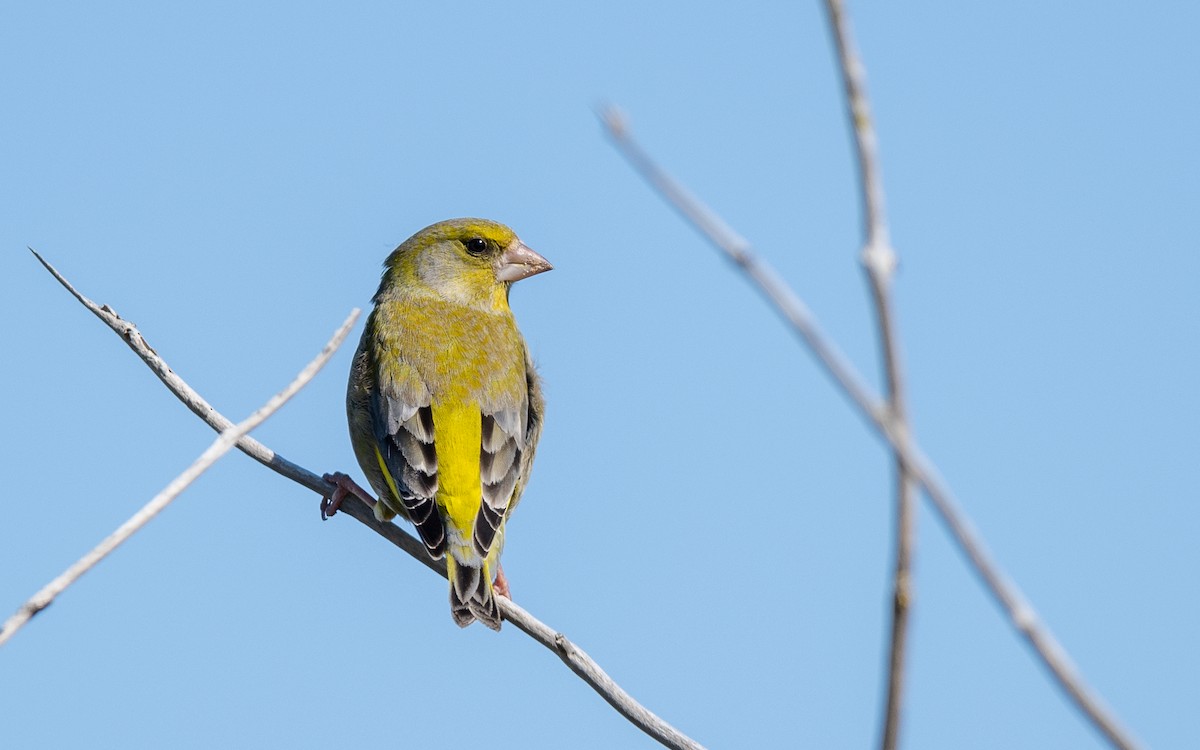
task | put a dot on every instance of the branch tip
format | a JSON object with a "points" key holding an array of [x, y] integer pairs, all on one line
{"points": [[614, 119]]}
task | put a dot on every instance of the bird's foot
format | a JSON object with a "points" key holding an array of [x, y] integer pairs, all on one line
{"points": [[342, 486], [500, 585]]}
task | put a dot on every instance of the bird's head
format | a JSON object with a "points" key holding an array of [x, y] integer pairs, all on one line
{"points": [[469, 261]]}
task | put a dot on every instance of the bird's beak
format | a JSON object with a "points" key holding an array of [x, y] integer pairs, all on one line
{"points": [[519, 262]]}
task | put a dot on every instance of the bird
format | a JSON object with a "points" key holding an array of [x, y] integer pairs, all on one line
{"points": [[444, 404]]}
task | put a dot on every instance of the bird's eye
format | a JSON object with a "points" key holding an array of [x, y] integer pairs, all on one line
{"points": [[476, 246]]}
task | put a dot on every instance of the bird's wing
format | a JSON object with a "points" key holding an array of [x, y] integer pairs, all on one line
{"points": [[509, 437], [502, 436], [402, 419]]}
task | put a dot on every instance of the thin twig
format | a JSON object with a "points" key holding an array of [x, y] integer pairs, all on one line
{"points": [[737, 249], [219, 448], [573, 656], [1020, 613], [214, 419], [879, 259], [591, 673]]}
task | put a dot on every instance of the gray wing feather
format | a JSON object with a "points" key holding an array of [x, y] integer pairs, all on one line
{"points": [[506, 455], [404, 431]]}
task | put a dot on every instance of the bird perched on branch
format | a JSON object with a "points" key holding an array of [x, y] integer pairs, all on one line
{"points": [[444, 404]]}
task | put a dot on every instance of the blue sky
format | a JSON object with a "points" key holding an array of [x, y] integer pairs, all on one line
{"points": [[707, 518]]}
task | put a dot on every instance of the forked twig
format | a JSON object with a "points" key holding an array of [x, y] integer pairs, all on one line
{"points": [[571, 655], [226, 440], [1020, 613]]}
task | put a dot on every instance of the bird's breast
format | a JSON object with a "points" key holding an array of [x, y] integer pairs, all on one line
{"points": [[461, 353]]}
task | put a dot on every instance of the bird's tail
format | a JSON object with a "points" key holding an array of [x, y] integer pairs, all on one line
{"points": [[471, 595]]}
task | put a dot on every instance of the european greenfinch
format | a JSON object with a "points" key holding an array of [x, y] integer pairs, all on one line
{"points": [[444, 405]]}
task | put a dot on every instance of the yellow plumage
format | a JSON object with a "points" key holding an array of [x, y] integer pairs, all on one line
{"points": [[460, 489], [444, 405]]}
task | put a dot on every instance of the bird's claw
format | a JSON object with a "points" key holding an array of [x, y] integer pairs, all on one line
{"points": [[342, 486], [500, 585]]}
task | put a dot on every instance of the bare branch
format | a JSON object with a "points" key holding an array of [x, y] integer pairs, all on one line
{"points": [[214, 419], [738, 250], [879, 259], [219, 448], [574, 657], [591, 673], [1020, 613]]}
